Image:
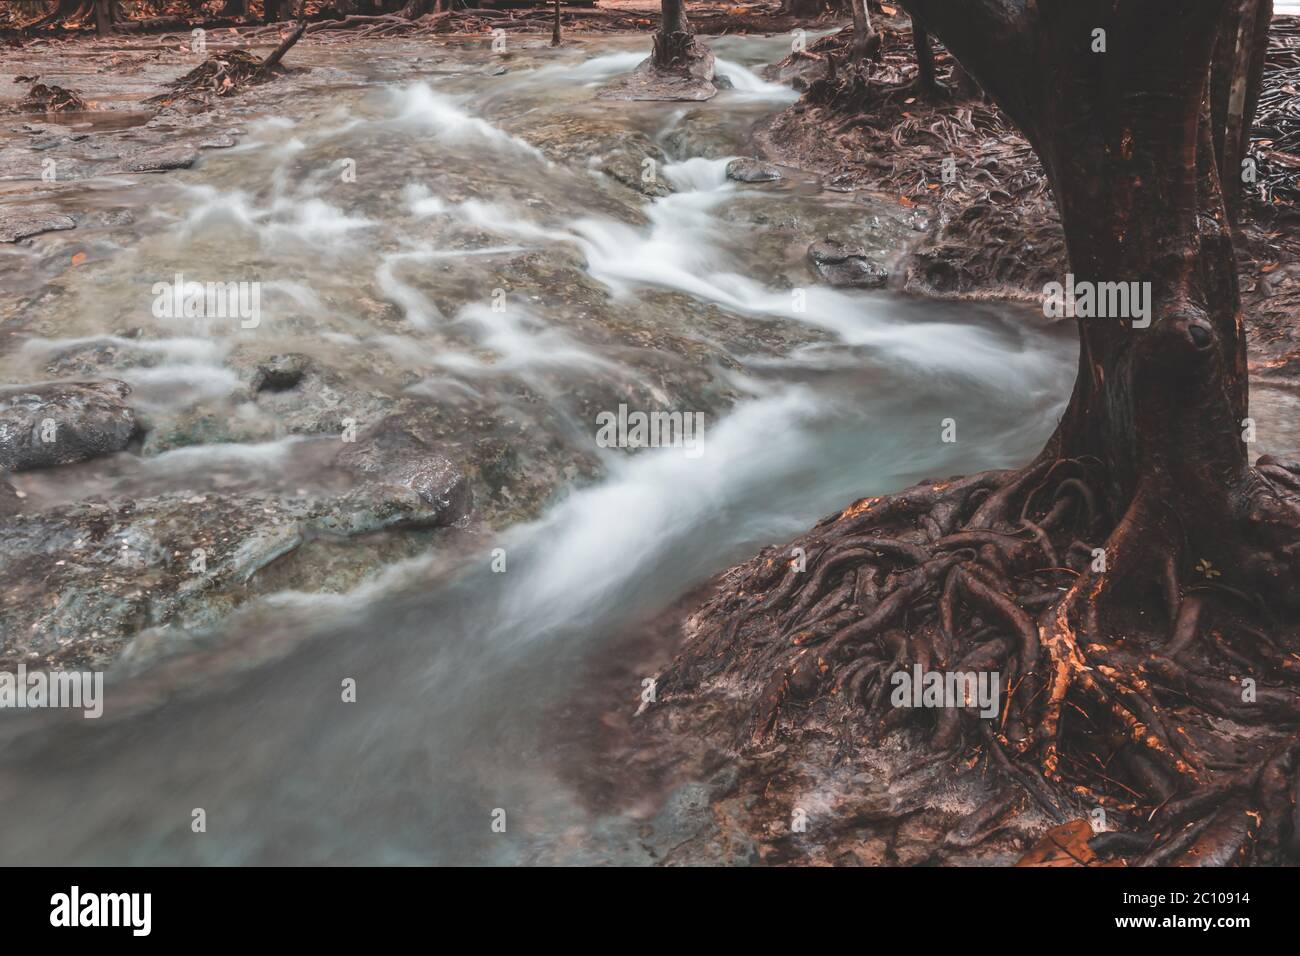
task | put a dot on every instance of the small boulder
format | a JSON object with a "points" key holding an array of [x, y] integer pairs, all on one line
{"points": [[58, 423], [280, 373], [747, 170], [391, 453], [845, 266]]}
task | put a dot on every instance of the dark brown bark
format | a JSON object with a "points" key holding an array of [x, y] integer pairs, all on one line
{"points": [[235, 8], [104, 17], [1123, 135], [1237, 76], [415, 9], [673, 17], [674, 41], [272, 61], [999, 571], [63, 11], [924, 57], [555, 31]]}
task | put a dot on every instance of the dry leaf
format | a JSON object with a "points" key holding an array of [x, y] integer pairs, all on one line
{"points": [[1064, 845], [79, 258]]}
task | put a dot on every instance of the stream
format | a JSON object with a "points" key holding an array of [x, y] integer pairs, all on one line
{"points": [[472, 188]]}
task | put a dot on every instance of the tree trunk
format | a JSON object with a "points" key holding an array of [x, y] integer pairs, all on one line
{"points": [[1128, 148], [103, 17], [1235, 82], [274, 10], [674, 41], [673, 17], [556, 39], [924, 56], [864, 37], [1149, 459], [415, 9], [235, 8]]}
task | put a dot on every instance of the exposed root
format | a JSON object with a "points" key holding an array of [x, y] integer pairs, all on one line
{"points": [[1126, 684]]}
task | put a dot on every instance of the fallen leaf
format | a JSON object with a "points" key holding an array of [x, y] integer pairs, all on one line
{"points": [[1064, 845], [888, 10], [79, 258]]}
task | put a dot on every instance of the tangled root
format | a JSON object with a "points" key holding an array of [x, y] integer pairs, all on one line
{"points": [[1133, 679]]}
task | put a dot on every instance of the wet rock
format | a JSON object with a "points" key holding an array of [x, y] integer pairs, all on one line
{"points": [[395, 452], [58, 423], [19, 224], [707, 133], [161, 160], [799, 69], [76, 582], [747, 170], [695, 83], [845, 266], [219, 142], [280, 373], [10, 502]]}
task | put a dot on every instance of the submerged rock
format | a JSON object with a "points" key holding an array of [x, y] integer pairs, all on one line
{"points": [[161, 160], [394, 452], [748, 170], [846, 266], [280, 373], [58, 423], [78, 581]]}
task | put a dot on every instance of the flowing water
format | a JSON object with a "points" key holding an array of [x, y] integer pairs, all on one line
{"points": [[466, 184]]}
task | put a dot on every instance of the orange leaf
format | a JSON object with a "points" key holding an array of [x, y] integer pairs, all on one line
{"points": [[79, 258], [905, 201], [1064, 845], [888, 10], [1270, 267]]}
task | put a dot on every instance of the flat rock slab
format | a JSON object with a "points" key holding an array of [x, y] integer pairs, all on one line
{"points": [[19, 224], [157, 161], [78, 581], [58, 423]]}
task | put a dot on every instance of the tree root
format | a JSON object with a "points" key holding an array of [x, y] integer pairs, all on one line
{"points": [[1127, 684]]}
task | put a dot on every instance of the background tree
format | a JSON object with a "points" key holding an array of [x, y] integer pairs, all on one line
{"points": [[866, 42], [674, 40]]}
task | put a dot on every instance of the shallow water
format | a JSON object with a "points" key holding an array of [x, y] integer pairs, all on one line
{"points": [[695, 300]]}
